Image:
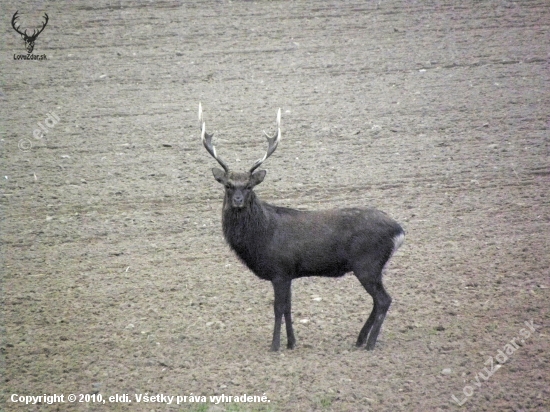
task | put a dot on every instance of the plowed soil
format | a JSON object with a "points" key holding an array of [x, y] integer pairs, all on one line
{"points": [[115, 275]]}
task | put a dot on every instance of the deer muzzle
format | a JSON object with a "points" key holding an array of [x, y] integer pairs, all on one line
{"points": [[237, 200]]}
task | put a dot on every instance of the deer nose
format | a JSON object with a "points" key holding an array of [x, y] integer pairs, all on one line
{"points": [[238, 199]]}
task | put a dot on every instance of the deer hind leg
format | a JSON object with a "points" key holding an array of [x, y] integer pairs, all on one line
{"points": [[372, 282]]}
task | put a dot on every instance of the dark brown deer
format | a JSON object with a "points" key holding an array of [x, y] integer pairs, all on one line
{"points": [[280, 244], [29, 40]]}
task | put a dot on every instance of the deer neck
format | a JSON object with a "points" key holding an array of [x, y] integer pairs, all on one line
{"points": [[244, 227]]}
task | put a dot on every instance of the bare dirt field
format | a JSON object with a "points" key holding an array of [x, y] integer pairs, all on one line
{"points": [[116, 278]]}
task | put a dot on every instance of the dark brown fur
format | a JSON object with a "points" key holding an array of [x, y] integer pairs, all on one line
{"points": [[280, 244]]}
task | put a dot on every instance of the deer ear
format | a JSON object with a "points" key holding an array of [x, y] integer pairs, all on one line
{"points": [[257, 177], [219, 175]]}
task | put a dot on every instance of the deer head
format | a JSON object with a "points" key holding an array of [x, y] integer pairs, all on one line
{"points": [[238, 186], [29, 40]]}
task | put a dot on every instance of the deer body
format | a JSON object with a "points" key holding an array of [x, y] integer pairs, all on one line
{"points": [[280, 244], [305, 243]]}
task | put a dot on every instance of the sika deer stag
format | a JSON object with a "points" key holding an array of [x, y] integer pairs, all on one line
{"points": [[281, 244]]}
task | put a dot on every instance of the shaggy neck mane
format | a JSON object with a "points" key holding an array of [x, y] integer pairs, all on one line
{"points": [[245, 228]]}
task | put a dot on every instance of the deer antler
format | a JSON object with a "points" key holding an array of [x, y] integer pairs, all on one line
{"points": [[207, 141], [13, 21], [272, 142], [34, 33]]}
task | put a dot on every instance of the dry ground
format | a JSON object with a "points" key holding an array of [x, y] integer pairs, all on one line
{"points": [[115, 276]]}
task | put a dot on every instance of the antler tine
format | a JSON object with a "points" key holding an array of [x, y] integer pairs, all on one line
{"points": [[207, 141], [272, 142]]}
